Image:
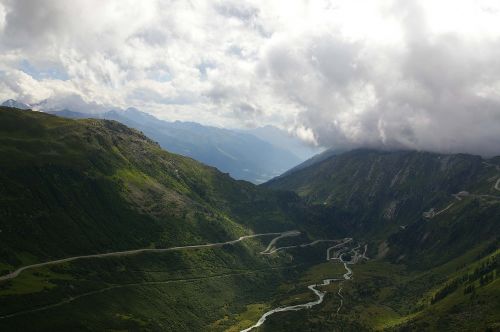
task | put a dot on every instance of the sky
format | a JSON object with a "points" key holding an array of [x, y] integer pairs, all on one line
{"points": [[403, 74]]}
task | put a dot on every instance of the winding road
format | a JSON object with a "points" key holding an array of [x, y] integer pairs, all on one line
{"points": [[337, 255], [17, 272], [458, 196], [270, 246], [270, 249]]}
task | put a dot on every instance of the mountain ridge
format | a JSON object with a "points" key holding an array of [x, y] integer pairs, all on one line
{"points": [[427, 223], [87, 187], [239, 153], [433, 216]]}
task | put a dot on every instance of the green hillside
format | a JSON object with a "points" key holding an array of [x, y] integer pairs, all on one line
{"points": [[436, 251], [428, 224], [80, 187], [387, 189]]}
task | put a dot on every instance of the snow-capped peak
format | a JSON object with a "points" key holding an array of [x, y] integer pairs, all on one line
{"points": [[15, 104]]}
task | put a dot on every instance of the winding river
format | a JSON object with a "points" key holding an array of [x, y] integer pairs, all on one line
{"points": [[335, 252], [342, 249]]}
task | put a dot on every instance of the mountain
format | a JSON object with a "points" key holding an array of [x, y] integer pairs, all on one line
{"points": [[393, 193], [72, 114], [242, 155], [87, 187], [119, 171], [433, 216], [102, 229], [317, 158], [390, 190], [15, 104], [284, 140]]}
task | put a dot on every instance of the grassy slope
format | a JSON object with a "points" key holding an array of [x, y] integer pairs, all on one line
{"points": [[393, 297], [82, 186], [422, 257], [384, 189], [70, 187]]}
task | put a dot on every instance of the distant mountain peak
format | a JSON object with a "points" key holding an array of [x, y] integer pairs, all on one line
{"points": [[16, 104], [241, 154], [133, 110]]}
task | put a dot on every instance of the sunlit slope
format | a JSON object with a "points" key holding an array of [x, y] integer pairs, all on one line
{"points": [[82, 186], [242, 155]]}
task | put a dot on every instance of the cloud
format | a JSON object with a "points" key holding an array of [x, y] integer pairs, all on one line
{"points": [[387, 74], [420, 89]]}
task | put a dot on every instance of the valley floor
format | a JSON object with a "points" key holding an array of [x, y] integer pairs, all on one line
{"points": [[44, 291], [294, 289], [388, 297]]}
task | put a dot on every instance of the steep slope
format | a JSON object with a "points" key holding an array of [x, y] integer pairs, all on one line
{"points": [[432, 221], [393, 188], [71, 188], [240, 154], [122, 178], [312, 160], [154, 239]]}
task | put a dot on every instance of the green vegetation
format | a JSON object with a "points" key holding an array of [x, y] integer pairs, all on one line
{"points": [[429, 269], [78, 187]]}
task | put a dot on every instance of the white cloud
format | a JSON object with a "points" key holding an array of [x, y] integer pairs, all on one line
{"points": [[3, 14], [347, 73]]}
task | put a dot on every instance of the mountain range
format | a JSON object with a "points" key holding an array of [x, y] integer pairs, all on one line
{"points": [[108, 231], [253, 155]]}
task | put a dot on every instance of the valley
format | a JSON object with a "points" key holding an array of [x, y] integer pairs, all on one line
{"points": [[249, 166], [338, 255], [102, 229], [341, 246]]}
